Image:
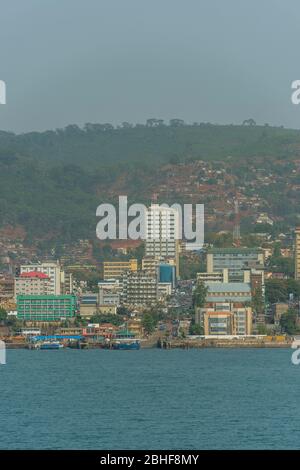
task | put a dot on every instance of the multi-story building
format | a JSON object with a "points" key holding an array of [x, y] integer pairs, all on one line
{"points": [[218, 323], [88, 305], [220, 276], [52, 270], [115, 269], [150, 265], [46, 308], [242, 321], [138, 288], [109, 292], [297, 253], [32, 283], [162, 234], [6, 288], [237, 292], [67, 282], [234, 321], [167, 274], [164, 290], [235, 260]]}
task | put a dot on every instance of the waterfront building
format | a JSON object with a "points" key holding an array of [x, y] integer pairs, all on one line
{"points": [[46, 307], [226, 320], [235, 260], [217, 323], [115, 269]]}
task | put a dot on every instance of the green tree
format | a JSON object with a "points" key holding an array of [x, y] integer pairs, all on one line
{"points": [[196, 329], [261, 329], [199, 295], [114, 319], [258, 301], [3, 315], [276, 291], [148, 323], [288, 322]]}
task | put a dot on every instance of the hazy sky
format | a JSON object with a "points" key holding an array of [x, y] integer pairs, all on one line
{"points": [[77, 61]]}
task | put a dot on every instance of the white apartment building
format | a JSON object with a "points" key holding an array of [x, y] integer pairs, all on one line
{"points": [[162, 233], [32, 283], [52, 270]]}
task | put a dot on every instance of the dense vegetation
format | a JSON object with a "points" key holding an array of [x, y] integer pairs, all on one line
{"points": [[52, 182], [102, 144]]}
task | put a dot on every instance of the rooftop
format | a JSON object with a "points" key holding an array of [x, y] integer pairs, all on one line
{"points": [[35, 274], [234, 250], [228, 287]]}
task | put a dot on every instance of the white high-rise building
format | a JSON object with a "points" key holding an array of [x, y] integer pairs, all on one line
{"points": [[52, 270], [162, 233]]}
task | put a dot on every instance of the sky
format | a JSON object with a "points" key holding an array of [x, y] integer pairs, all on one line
{"points": [[76, 61]]}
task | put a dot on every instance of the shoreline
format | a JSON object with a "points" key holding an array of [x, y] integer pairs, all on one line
{"points": [[184, 346]]}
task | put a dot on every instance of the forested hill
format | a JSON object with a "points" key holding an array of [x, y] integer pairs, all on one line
{"points": [[97, 145], [52, 182]]}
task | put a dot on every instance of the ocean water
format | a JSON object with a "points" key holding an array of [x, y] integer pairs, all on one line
{"points": [[150, 399]]}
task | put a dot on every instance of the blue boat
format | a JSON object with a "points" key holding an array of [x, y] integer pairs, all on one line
{"points": [[127, 346], [51, 345]]}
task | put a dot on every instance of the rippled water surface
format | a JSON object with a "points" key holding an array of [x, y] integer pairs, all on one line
{"points": [[150, 399]]}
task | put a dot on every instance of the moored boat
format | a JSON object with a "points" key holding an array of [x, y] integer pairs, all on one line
{"points": [[126, 345], [50, 345]]}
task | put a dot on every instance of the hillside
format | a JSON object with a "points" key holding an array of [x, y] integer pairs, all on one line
{"points": [[52, 182], [96, 145]]}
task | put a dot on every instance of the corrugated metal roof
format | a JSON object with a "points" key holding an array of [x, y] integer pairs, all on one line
{"points": [[228, 287]]}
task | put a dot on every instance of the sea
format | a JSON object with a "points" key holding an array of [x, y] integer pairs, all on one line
{"points": [[150, 399]]}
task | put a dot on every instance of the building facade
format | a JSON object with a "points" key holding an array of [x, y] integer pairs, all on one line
{"points": [[220, 276], [235, 321], [109, 292], [32, 283], [46, 308], [162, 234], [115, 269], [228, 292], [52, 270], [235, 260], [138, 288]]}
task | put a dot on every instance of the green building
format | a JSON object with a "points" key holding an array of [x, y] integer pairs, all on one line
{"points": [[46, 307]]}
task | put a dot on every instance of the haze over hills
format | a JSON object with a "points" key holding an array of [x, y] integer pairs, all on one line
{"points": [[52, 182], [101, 144]]}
